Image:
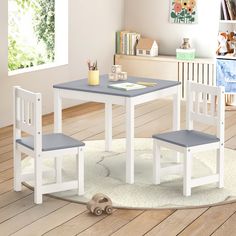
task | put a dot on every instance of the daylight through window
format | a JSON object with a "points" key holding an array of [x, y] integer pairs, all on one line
{"points": [[31, 33]]}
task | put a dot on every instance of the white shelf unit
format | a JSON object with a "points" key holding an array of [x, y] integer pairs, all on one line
{"points": [[230, 26], [227, 25], [227, 21]]}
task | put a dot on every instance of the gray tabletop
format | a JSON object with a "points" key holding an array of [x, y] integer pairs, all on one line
{"points": [[82, 85]]}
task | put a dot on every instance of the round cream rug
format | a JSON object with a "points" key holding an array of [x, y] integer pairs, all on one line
{"points": [[105, 173]]}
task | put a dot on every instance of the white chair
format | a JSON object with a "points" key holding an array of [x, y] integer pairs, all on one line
{"points": [[189, 141], [28, 119]]}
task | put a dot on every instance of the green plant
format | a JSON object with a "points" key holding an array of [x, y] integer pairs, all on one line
{"points": [[21, 55], [44, 25]]}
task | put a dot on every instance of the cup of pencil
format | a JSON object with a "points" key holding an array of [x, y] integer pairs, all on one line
{"points": [[93, 73]]}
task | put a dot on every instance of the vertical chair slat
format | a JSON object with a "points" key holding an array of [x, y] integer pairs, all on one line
{"points": [[22, 111], [204, 103], [197, 107], [212, 104]]}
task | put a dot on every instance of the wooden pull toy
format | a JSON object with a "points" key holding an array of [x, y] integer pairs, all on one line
{"points": [[100, 203]]}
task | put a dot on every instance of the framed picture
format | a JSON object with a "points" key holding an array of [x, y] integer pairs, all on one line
{"points": [[183, 11]]}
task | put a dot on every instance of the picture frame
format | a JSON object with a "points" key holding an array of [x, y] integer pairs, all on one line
{"points": [[183, 11]]}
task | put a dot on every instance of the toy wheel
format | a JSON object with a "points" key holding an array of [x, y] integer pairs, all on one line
{"points": [[97, 211], [108, 210]]}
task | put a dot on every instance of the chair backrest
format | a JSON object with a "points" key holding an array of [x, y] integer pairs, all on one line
{"points": [[27, 114], [206, 104]]}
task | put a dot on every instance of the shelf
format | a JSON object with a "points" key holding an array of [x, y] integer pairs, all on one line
{"points": [[227, 57], [167, 58], [228, 21]]}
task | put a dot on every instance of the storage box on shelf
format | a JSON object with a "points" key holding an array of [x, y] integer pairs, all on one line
{"points": [[185, 54]]}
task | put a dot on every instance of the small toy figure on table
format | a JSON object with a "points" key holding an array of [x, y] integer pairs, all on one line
{"points": [[117, 73]]}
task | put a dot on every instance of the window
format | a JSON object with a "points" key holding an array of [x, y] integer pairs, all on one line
{"points": [[148, 52], [35, 35], [140, 51]]}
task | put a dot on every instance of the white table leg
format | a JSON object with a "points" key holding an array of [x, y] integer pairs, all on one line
{"points": [[187, 173], [129, 141], [58, 129], [176, 115], [108, 126], [156, 163], [176, 109], [80, 170], [57, 112]]}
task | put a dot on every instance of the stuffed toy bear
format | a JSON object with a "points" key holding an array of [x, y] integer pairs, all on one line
{"points": [[225, 41]]}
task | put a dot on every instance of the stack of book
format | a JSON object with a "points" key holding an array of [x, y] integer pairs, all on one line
{"points": [[228, 9], [126, 42]]}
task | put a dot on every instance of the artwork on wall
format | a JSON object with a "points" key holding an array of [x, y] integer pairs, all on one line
{"points": [[183, 11]]}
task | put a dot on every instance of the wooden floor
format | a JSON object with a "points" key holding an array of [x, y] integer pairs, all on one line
{"points": [[19, 216]]}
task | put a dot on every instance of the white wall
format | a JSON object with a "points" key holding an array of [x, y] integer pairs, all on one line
{"points": [[151, 19], [92, 33], [92, 27]]}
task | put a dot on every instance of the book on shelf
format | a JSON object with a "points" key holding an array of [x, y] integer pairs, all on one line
{"points": [[126, 86], [126, 42], [231, 7], [225, 12]]}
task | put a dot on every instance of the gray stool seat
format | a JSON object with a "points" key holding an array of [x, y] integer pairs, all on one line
{"points": [[51, 142], [186, 138]]}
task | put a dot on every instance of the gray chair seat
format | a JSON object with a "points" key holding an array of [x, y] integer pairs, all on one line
{"points": [[186, 138], [51, 142]]}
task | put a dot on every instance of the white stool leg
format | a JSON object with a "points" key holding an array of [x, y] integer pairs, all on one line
{"points": [[187, 173], [38, 197], [80, 170], [17, 170], [220, 166], [156, 163]]}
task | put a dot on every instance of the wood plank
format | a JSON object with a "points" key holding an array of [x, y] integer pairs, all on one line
{"points": [[6, 165], [208, 222], [12, 196], [6, 148], [6, 186], [228, 228], [76, 225], [6, 175], [27, 217], [52, 220], [176, 222], [79, 110], [6, 156], [17, 207], [144, 222], [6, 141], [141, 118], [6, 132], [112, 223]]}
